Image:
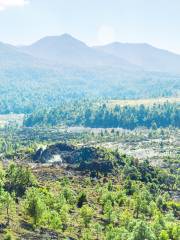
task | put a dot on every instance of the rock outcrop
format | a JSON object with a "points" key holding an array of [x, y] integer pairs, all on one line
{"points": [[85, 158]]}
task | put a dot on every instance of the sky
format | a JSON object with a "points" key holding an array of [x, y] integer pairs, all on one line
{"points": [[96, 22]]}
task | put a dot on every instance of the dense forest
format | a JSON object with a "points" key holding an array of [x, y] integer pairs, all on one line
{"points": [[100, 115], [24, 89]]}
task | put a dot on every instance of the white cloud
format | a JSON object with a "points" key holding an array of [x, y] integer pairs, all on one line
{"points": [[106, 34], [4, 4]]}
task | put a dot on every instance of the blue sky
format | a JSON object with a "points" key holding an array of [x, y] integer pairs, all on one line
{"points": [[93, 21]]}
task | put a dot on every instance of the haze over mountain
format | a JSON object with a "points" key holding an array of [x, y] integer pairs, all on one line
{"points": [[144, 55], [68, 50], [56, 68], [11, 57]]}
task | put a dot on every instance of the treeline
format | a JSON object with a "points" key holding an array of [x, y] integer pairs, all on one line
{"points": [[100, 115]]}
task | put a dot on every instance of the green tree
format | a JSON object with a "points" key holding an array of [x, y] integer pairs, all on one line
{"points": [[52, 219], [2, 177], [19, 179], [141, 200], [7, 204], [81, 199], [86, 213], [142, 231], [109, 212], [163, 235], [34, 205]]}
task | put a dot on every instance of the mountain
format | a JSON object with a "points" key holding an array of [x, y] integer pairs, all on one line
{"points": [[11, 57], [68, 50], [144, 55], [62, 68]]}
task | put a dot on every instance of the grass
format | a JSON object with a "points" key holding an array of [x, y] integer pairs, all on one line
{"points": [[145, 102], [6, 119]]}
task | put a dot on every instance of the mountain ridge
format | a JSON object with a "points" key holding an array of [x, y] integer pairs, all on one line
{"points": [[28, 82], [144, 55], [67, 50]]}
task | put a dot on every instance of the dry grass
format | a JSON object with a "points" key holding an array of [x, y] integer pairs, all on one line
{"points": [[146, 102], [11, 118]]}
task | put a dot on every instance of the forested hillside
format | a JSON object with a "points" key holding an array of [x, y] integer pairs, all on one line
{"points": [[23, 89], [111, 196]]}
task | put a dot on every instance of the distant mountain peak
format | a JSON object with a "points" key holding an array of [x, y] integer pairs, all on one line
{"points": [[67, 36], [67, 50], [58, 39], [144, 55]]}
